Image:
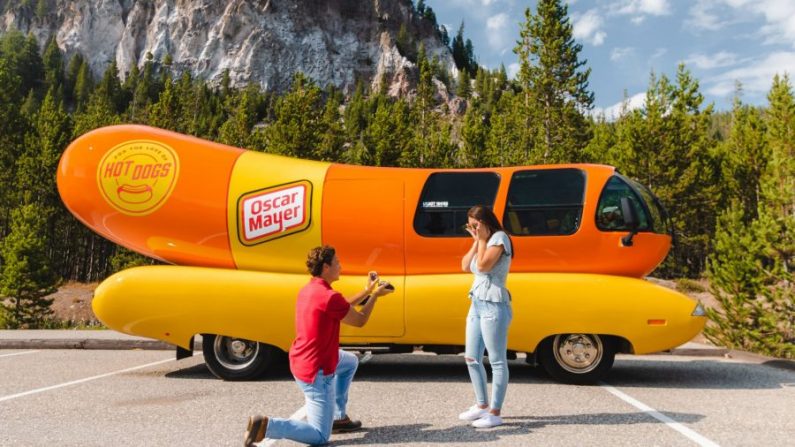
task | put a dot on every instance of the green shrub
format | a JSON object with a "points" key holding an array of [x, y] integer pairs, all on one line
{"points": [[688, 285]]}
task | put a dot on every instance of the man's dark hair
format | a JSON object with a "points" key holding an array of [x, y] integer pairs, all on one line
{"points": [[319, 256]]}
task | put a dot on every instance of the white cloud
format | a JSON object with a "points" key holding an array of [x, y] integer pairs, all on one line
{"points": [[710, 61], [779, 16], [620, 53], [702, 16], [756, 76], [658, 53], [487, 2], [612, 113], [643, 7], [639, 9], [498, 31], [588, 27]]}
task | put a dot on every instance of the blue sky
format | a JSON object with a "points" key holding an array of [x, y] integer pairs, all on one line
{"points": [[720, 41]]}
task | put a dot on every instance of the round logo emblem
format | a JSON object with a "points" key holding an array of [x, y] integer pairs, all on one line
{"points": [[137, 177]]}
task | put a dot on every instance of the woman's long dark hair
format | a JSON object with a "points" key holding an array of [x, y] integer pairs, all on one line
{"points": [[486, 215]]}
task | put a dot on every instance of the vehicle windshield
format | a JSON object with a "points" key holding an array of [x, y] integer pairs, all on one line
{"points": [[659, 216], [651, 214]]}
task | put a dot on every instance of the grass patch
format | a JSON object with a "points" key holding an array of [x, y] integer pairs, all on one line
{"points": [[689, 286]]}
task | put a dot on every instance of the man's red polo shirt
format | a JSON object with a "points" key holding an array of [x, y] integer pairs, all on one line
{"points": [[318, 313]]}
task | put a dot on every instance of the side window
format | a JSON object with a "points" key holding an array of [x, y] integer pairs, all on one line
{"points": [[446, 198], [608, 211], [545, 202]]}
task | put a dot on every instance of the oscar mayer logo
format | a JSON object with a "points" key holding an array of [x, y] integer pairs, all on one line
{"points": [[137, 177], [271, 213]]}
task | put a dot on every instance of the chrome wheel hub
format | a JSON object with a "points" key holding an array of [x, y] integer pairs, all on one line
{"points": [[235, 353], [578, 353]]}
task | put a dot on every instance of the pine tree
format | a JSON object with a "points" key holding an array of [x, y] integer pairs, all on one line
{"points": [[236, 131], [13, 127], [424, 151], [600, 148], [355, 115], [737, 278], [70, 77], [473, 135], [84, 84], [167, 111], [53, 65], [507, 144], [332, 136], [464, 89], [387, 133], [27, 278], [111, 89], [31, 67], [460, 56], [405, 43], [554, 82], [298, 117], [744, 157], [778, 182], [36, 167]]}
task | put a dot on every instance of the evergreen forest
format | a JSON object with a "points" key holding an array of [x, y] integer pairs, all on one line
{"points": [[727, 178]]}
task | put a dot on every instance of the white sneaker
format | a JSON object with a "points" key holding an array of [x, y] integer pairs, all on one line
{"points": [[473, 413], [487, 421]]}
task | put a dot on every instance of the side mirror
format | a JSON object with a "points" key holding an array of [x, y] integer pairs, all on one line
{"points": [[630, 219]]}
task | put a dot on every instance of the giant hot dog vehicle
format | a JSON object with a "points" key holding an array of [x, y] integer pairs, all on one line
{"points": [[237, 226]]}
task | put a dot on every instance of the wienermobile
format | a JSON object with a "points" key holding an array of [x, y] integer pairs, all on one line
{"points": [[238, 225]]}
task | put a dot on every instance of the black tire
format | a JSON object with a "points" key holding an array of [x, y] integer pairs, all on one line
{"points": [[581, 359], [234, 359]]}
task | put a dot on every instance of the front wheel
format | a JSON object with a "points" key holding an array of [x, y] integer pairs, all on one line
{"points": [[230, 358], [577, 358]]}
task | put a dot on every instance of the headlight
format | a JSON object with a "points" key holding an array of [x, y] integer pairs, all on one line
{"points": [[699, 310]]}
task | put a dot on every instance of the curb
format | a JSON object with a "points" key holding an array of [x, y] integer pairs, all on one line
{"points": [[86, 344], [698, 351]]}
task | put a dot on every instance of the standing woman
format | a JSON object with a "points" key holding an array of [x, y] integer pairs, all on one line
{"points": [[489, 260]]}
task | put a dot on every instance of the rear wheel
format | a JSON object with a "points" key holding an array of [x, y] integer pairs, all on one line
{"points": [[230, 358], [577, 358]]}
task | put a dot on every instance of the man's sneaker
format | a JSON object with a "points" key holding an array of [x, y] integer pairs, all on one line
{"points": [[473, 413], [345, 425], [257, 425], [488, 421]]}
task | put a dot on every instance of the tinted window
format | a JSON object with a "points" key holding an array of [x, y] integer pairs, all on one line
{"points": [[446, 198], [608, 211], [545, 202]]}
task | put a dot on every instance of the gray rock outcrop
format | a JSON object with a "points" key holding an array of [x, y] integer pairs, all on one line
{"points": [[265, 41]]}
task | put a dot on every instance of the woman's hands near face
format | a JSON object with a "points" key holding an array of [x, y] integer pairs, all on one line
{"points": [[482, 233], [472, 230]]}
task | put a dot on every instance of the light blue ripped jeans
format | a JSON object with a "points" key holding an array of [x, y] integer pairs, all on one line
{"points": [[487, 328], [326, 399]]}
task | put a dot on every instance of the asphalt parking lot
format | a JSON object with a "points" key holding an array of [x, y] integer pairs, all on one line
{"points": [[145, 398]]}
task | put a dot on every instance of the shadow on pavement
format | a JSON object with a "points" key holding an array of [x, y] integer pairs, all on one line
{"points": [[696, 374], [515, 425]]}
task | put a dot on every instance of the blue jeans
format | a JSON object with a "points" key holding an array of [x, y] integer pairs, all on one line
{"points": [[487, 328], [326, 399]]}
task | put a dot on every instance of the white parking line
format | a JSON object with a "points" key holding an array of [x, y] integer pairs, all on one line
{"points": [[301, 413], [692, 435], [87, 379], [18, 353]]}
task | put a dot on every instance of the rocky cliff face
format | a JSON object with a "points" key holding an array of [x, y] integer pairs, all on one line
{"points": [[263, 41]]}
